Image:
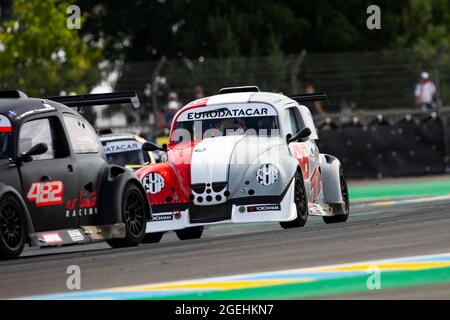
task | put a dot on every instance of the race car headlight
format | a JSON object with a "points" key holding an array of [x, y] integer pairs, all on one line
{"points": [[267, 174]]}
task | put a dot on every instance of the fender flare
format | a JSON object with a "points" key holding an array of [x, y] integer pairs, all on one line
{"points": [[244, 175], [6, 189], [112, 185], [175, 191], [331, 183]]}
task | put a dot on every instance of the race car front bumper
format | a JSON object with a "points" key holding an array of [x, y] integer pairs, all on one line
{"points": [[237, 211]]}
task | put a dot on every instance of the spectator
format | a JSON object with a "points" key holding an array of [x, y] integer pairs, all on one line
{"points": [[317, 106], [173, 106], [425, 93], [199, 92]]}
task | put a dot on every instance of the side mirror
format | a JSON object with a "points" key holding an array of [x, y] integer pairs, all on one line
{"points": [[35, 150], [300, 135], [149, 146]]}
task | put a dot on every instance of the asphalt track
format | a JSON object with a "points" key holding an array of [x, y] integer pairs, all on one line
{"points": [[372, 233]]}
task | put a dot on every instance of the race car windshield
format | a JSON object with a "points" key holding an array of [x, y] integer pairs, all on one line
{"points": [[259, 126], [125, 152], [230, 119], [136, 157]]}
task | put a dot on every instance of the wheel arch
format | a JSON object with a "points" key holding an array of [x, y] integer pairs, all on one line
{"points": [[112, 186], [174, 184], [331, 184]]}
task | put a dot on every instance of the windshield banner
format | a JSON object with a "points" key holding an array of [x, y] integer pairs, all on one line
{"points": [[227, 111], [122, 146]]}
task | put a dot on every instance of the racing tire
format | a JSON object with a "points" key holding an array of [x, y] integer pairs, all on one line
{"points": [[344, 191], [190, 233], [134, 213], [153, 237], [13, 228], [301, 202]]}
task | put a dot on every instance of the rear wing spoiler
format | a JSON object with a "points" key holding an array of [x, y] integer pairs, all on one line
{"points": [[88, 100], [309, 97]]}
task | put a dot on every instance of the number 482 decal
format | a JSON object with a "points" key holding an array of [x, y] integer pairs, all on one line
{"points": [[46, 193]]}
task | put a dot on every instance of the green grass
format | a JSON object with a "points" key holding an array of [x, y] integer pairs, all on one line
{"points": [[388, 191]]}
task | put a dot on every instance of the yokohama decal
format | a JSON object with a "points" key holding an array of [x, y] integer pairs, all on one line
{"points": [[264, 207], [47, 193]]}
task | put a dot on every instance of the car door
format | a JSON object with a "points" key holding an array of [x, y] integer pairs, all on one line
{"points": [[91, 161], [307, 154], [50, 180]]}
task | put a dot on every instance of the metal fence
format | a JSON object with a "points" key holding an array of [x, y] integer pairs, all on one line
{"points": [[362, 80], [353, 81]]}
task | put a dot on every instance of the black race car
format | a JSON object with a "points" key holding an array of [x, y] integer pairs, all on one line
{"points": [[56, 187]]}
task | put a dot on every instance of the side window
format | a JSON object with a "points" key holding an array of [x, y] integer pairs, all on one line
{"points": [[294, 121], [34, 132], [81, 135]]}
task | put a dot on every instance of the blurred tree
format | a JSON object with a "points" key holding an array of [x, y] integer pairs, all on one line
{"points": [[426, 26], [197, 30], [143, 30], [40, 55]]}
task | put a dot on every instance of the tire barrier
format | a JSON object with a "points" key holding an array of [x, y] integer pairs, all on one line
{"points": [[411, 145]]}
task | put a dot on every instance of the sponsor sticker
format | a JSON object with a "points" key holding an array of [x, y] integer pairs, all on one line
{"points": [[264, 207], [153, 183], [75, 235], [47, 193], [122, 146], [85, 205], [227, 111], [51, 237], [267, 174], [5, 124], [163, 217]]}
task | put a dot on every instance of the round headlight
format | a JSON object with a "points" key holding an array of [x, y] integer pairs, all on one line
{"points": [[267, 174]]}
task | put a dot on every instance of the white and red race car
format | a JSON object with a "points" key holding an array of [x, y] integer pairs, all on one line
{"points": [[242, 156]]}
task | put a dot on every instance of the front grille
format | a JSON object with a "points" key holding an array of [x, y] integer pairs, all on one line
{"points": [[200, 214], [199, 188], [218, 186]]}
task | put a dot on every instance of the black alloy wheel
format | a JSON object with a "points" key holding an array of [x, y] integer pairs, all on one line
{"points": [[134, 213], [12, 228], [301, 202]]}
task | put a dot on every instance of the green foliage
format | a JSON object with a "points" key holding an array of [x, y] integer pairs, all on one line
{"points": [[199, 30], [233, 28], [426, 26], [40, 55]]}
